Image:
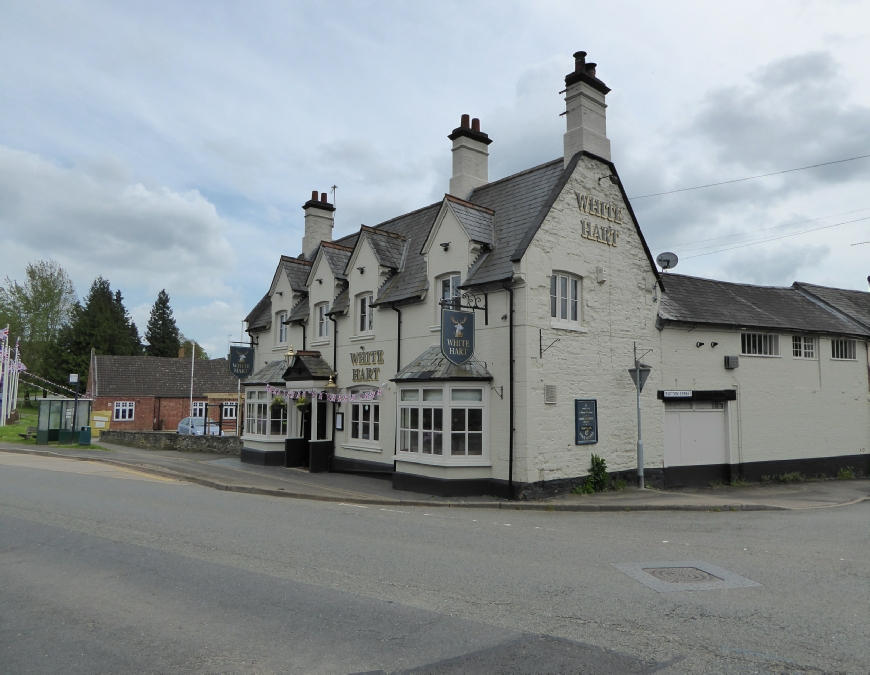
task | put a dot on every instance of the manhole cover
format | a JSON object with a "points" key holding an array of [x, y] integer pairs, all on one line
{"points": [[680, 575]]}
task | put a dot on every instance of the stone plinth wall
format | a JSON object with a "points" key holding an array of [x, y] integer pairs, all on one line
{"points": [[169, 440]]}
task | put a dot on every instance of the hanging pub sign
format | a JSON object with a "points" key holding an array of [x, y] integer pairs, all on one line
{"points": [[457, 335], [241, 361], [585, 421]]}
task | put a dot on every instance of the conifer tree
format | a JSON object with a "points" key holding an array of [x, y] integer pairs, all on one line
{"points": [[162, 333]]}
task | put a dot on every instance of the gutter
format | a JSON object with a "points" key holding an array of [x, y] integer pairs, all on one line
{"points": [[511, 397]]}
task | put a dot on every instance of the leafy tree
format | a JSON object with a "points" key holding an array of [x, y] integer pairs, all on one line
{"points": [[186, 346], [37, 310], [162, 333], [102, 324]]}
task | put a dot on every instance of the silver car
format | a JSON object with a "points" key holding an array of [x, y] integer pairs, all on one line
{"points": [[195, 426]]}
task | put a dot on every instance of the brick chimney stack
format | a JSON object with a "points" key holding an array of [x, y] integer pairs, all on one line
{"points": [[470, 158], [585, 111], [319, 219]]}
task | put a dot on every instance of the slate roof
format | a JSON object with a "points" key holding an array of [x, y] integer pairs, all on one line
{"points": [[704, 301], [476, 220], [271, 373], [260, 318], [118, 376], [300, 311], [297, 272], [388, 247], [337, 257], [308, 366], [433, 365], [516, 201], [341, 302], [855, 304]]}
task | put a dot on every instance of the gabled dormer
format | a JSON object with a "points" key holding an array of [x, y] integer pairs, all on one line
{"points": [[326, 283], [462, 227], [379, 254]]}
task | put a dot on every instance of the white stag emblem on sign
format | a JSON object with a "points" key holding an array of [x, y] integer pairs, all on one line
{"points": [[458, 331]]}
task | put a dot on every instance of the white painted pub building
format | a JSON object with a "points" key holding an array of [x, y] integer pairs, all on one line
{"points": [[554, 285]]}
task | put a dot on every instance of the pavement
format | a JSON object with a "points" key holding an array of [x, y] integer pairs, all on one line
{"points": [[226, 472]]}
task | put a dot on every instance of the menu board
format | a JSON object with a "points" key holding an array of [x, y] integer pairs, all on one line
{"points": [[585, 421]]}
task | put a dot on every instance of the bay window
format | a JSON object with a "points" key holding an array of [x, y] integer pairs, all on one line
{"points": [[443, 425]]}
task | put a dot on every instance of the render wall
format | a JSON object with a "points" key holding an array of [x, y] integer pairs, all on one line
{"points": [[591, 361], [787, 408]]}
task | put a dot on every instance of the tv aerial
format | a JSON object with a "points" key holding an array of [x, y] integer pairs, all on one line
{"points": [[667, 261]]}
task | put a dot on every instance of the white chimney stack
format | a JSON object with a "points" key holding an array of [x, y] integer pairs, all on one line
{"points": [[470, 158], [318, 223], [585, 111]]}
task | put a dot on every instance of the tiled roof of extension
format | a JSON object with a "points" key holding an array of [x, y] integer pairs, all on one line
{"points": [[159, 376], [855, 304], [705, 301], [271, 373], [433, 365]]}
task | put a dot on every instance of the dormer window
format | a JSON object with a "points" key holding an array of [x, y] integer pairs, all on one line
{"points": [[450, 291], [322, 320], [365, 314]]}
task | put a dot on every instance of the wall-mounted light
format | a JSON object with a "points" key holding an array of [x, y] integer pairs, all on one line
{"points": [[699, 344], [319, 281], [445, 245], [279, 293], [613, 179], [713, 344], [362, 270]]}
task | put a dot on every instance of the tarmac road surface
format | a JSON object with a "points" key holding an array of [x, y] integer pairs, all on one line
{"points": [[107, 570]]}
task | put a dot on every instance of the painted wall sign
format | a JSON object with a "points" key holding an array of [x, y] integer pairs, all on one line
{"points": [[677, 394], [457, 335], [241, 361], [363, 358], [585, 421], [604, 234]]}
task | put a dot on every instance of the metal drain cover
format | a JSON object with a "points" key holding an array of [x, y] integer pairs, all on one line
{"points": [[681, 575], [684, 575]]}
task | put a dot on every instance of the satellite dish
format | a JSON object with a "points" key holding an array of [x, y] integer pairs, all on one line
{"points": [[667, 261]]}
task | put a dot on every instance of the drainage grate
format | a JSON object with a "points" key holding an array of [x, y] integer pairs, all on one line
{"points": [[681, 575]]}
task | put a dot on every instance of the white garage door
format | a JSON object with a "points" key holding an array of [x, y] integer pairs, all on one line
{"points": [[695, 433]]}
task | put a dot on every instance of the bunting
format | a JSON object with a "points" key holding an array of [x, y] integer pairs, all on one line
{"points": [[320, 395]]}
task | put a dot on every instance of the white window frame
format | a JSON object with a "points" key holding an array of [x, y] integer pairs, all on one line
{"points": [[256, 412], [197, 409], [844, 350], [322, 320], [448, 289], [765, 345], [566, 292], [229, 410], [124, 411], [356, 424], [417, 417], [365, 314], [804, 347], [280, 318]]}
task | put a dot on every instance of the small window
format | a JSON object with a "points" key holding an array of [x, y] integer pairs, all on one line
{"points": [[565, 298], [198, 409], [124, 411], [229, 410], [282, 328], [450, 292], [759, 344], [803, 347], [844, 350], [365, 421], [365, 314], [322, 320]]}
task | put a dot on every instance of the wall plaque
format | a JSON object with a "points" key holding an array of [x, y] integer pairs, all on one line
{"points": [[585, 421]]}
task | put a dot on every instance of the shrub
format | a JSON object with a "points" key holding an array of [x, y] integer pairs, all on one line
{"points": [[846, 473]]}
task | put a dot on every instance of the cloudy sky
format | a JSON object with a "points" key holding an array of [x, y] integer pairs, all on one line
{"points": [[167, 144]]}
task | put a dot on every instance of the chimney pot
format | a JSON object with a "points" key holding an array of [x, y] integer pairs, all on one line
{"points": [[464, 122], [585, 111], [314, 195], [579, 61], [323, 197], [590, 68], [475, 124]]}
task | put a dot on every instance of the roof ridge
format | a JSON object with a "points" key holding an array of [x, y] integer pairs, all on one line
{"points": [[289, 258], [831, 288], [367, 228], [730, 283], [405, 215], [332, 244], [462, 202]]}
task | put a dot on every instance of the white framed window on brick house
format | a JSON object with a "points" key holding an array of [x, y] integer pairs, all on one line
{"points": [[198, 409], [124, 411], [844, 350], [322, 320], [443, 425], [282, 328], [803, 347], [759, 344], [229, 410], [565, 299], [365, 314]]}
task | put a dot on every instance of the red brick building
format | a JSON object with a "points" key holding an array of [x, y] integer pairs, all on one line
{"points": [[150, 393]]}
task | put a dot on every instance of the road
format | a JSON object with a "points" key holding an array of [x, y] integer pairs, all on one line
{"points": [[104, 570]]}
